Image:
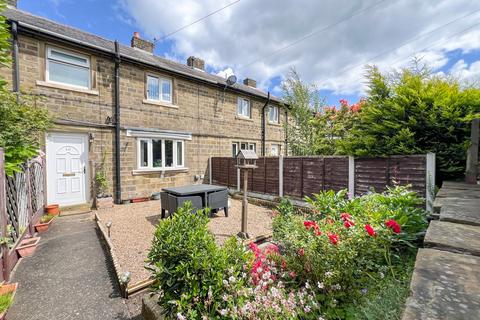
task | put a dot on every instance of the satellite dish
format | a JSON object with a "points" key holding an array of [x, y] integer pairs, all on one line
{"points": [[231, 80]]}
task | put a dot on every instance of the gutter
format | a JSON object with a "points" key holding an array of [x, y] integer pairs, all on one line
{"points": [[118, 184], [16, 70], [264, 123]]}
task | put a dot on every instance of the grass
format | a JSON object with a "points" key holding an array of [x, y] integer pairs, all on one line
{"points": [[5, 301], [46, 218], [386, 300]]}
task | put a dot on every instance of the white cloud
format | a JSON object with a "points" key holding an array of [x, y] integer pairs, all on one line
{"points": [[333, 59], [469, 74]]}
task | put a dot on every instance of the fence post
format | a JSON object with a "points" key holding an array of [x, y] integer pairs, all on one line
{"points": [[280, 176], [472, 155], [430, 181], [238, 179], [351, 177], [210, 170], [3, 218]]}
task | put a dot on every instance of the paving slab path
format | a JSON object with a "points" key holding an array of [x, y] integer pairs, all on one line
{"points": [[446, 278], [69, 276]]}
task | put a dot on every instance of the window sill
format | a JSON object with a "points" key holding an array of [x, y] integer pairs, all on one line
{"points": [[276, 124], [160, 103], [243, 118], [66, 87], [153, 171]]}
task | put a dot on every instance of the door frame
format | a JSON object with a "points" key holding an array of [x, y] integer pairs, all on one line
{"points": [[86, 144]]}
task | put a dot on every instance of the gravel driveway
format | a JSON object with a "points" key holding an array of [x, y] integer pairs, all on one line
{"points": [[133, 226]]}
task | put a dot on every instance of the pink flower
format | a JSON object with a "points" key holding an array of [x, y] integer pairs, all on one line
{"points": [[343, 102], [345, 216], [272, 249], [392, 224], [348, 224], [301, 252], [370, 230]]}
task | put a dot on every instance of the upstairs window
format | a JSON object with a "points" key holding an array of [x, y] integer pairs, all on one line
{"points": [[243, 107], [273, 114], [159, 89], [68, 68]]}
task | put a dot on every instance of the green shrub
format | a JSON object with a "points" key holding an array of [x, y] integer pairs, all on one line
{"points": [[5, 301], [189, 267], [46, 218]]}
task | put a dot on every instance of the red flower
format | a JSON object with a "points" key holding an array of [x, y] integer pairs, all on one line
{"points": [[293, 274], [312, 224], [333, 238], [343, 102], [284, 264], [392, 224], [301, 252], [370, 230], [330, 221], [348, 224], [345, 216]]}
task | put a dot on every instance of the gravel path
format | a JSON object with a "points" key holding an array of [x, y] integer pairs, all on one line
{"points": [[133, 226]]}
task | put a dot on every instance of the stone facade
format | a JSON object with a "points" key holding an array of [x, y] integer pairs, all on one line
{"points": [[206, 111]]}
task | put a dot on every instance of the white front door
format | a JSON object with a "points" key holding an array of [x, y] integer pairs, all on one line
{"points": [[67, 156]]}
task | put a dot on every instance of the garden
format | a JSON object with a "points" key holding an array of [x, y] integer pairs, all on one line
{"points": [[340, 259]]}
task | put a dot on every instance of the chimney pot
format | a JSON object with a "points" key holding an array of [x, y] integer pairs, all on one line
{"points": [[250, 82], [140, 43], [196, 63]]}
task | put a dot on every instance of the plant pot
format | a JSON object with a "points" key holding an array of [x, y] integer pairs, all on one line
{"points": [[103, 203], [52, 209], [27, 247], [43, 227], [6, 289], [141, 199]]}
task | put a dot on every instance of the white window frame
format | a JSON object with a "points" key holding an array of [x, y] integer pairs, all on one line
{"points": [[270, 108], [70, 53], [150, 166], [252, 146], [160, 88], [278, 147], [234, 148], [240, 108]]}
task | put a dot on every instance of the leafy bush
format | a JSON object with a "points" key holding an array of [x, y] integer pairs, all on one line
{"points": [[189, 267], [344, 246]]}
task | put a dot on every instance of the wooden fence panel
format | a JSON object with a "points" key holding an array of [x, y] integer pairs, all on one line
{"points": [[292, 176], [411, 170], [371, 173], [219, 169], [258, 177], [336, 173], [232, 173], [313, 175], [271, 175]]}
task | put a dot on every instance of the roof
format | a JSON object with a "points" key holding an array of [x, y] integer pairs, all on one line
{"points": [[247, 154], [51, 28]]}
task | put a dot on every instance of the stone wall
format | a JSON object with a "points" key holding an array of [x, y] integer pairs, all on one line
{"points": [[207, 112]]}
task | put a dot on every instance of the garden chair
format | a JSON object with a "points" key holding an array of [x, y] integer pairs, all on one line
{"points": [[218, 200]]}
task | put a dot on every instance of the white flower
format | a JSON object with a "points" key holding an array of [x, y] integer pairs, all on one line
{"points": [[231, 279], [223, 312], [382, 275], [180, 316], [225, 283], [320, 285], [328, 274], [307, 285]]}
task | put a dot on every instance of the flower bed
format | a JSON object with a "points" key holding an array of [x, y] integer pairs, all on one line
{"points": [[324, 264]]}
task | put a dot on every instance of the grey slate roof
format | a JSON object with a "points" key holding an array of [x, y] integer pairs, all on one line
{"points": [[49, 27]]}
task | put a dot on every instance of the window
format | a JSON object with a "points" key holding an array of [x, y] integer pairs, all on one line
{"points": [[69, 68], [275, 150], [159, 89], [160, 154], [234, 149], [243, 107], [243, 146], [273, 114]]}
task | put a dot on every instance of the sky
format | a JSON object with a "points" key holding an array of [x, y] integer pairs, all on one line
{"points": [[328, 42]]}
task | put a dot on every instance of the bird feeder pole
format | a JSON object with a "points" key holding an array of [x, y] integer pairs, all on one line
{"points": [[246, 160]]}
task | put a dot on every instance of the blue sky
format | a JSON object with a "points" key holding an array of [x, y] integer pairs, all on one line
{"points": [[248, 30]]}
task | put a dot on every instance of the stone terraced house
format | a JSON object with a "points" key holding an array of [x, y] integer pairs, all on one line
{"points": [[155, 121]]}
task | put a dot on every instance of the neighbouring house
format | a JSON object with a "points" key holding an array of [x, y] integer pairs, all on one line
{"points": [[156, 121]]}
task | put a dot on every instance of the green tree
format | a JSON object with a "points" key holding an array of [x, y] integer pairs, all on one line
{"points": [[22, 120], [410, 112], [303, 102]]}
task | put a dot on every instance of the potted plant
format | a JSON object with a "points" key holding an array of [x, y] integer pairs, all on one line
{"points": [[27, 246], [52, 209], [103, 199], [44, 223], [7, 294]]}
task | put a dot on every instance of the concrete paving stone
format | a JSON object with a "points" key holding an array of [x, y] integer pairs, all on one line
{"points": [[458, 193], [440, 202], [460, 185], [466, 213], [444, 286], [453, 237], [69, 277]]}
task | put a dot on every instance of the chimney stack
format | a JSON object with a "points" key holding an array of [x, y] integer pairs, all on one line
{"points": [[250, 82], [141, 44], [196, 63]]}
